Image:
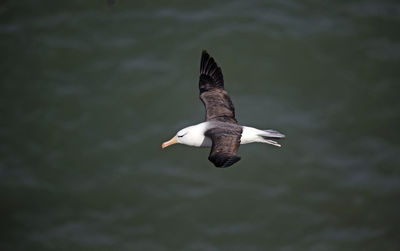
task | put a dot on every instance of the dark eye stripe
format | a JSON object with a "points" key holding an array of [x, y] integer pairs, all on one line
{"points": [[180, 136]]}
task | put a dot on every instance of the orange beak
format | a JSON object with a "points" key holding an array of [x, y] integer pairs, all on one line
{"points": [[172, 141]]}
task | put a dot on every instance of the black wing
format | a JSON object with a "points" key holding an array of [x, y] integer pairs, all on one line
{"points": [[225, 144], [215, 99]]}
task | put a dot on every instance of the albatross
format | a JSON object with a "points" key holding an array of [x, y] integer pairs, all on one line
{"points": [[220, 131]]}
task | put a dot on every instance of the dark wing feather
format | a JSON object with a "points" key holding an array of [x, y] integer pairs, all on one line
{"points": [[215, 99], [225, 144]]}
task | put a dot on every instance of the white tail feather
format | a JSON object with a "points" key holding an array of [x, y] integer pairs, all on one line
{"points": [[250, 135], [268, 141], [273, 134]]}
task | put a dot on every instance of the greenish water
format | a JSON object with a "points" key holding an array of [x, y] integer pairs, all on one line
{"points": [[89, 91]]}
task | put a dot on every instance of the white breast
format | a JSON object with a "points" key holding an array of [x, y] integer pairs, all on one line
{"points": [[194, 136]]}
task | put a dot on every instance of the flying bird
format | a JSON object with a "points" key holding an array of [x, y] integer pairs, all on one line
{"points": [[220, 131]]}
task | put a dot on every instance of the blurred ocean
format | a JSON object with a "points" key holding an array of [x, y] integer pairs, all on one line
{"points": [[90, 89]]}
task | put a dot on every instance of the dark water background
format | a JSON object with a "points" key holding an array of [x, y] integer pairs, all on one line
{"points": [[90, 89]]}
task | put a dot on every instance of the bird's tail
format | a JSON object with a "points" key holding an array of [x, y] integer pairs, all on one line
{"points": [[270, 137]]}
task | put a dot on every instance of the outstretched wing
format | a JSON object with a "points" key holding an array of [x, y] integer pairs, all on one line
{"points": [[215, 99], [225, 144]]}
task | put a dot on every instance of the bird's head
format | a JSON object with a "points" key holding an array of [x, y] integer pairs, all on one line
{"points": [[191, 136], [181, 137]]}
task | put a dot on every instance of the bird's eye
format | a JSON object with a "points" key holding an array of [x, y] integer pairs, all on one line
{"points": [[180, 136]]}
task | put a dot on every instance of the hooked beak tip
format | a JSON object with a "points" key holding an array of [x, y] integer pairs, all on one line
{"points": [[172, 141]]}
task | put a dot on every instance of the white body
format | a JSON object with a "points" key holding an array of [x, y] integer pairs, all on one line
{"points": [[194, 135]]}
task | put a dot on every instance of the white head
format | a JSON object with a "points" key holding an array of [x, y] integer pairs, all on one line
{"points": [[191, 135]]}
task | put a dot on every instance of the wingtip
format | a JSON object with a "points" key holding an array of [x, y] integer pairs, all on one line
{"points": [[224, 161], [210, 69]]}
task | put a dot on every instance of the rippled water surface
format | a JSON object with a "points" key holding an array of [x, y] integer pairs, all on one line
{"points": [[90, 89]]}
